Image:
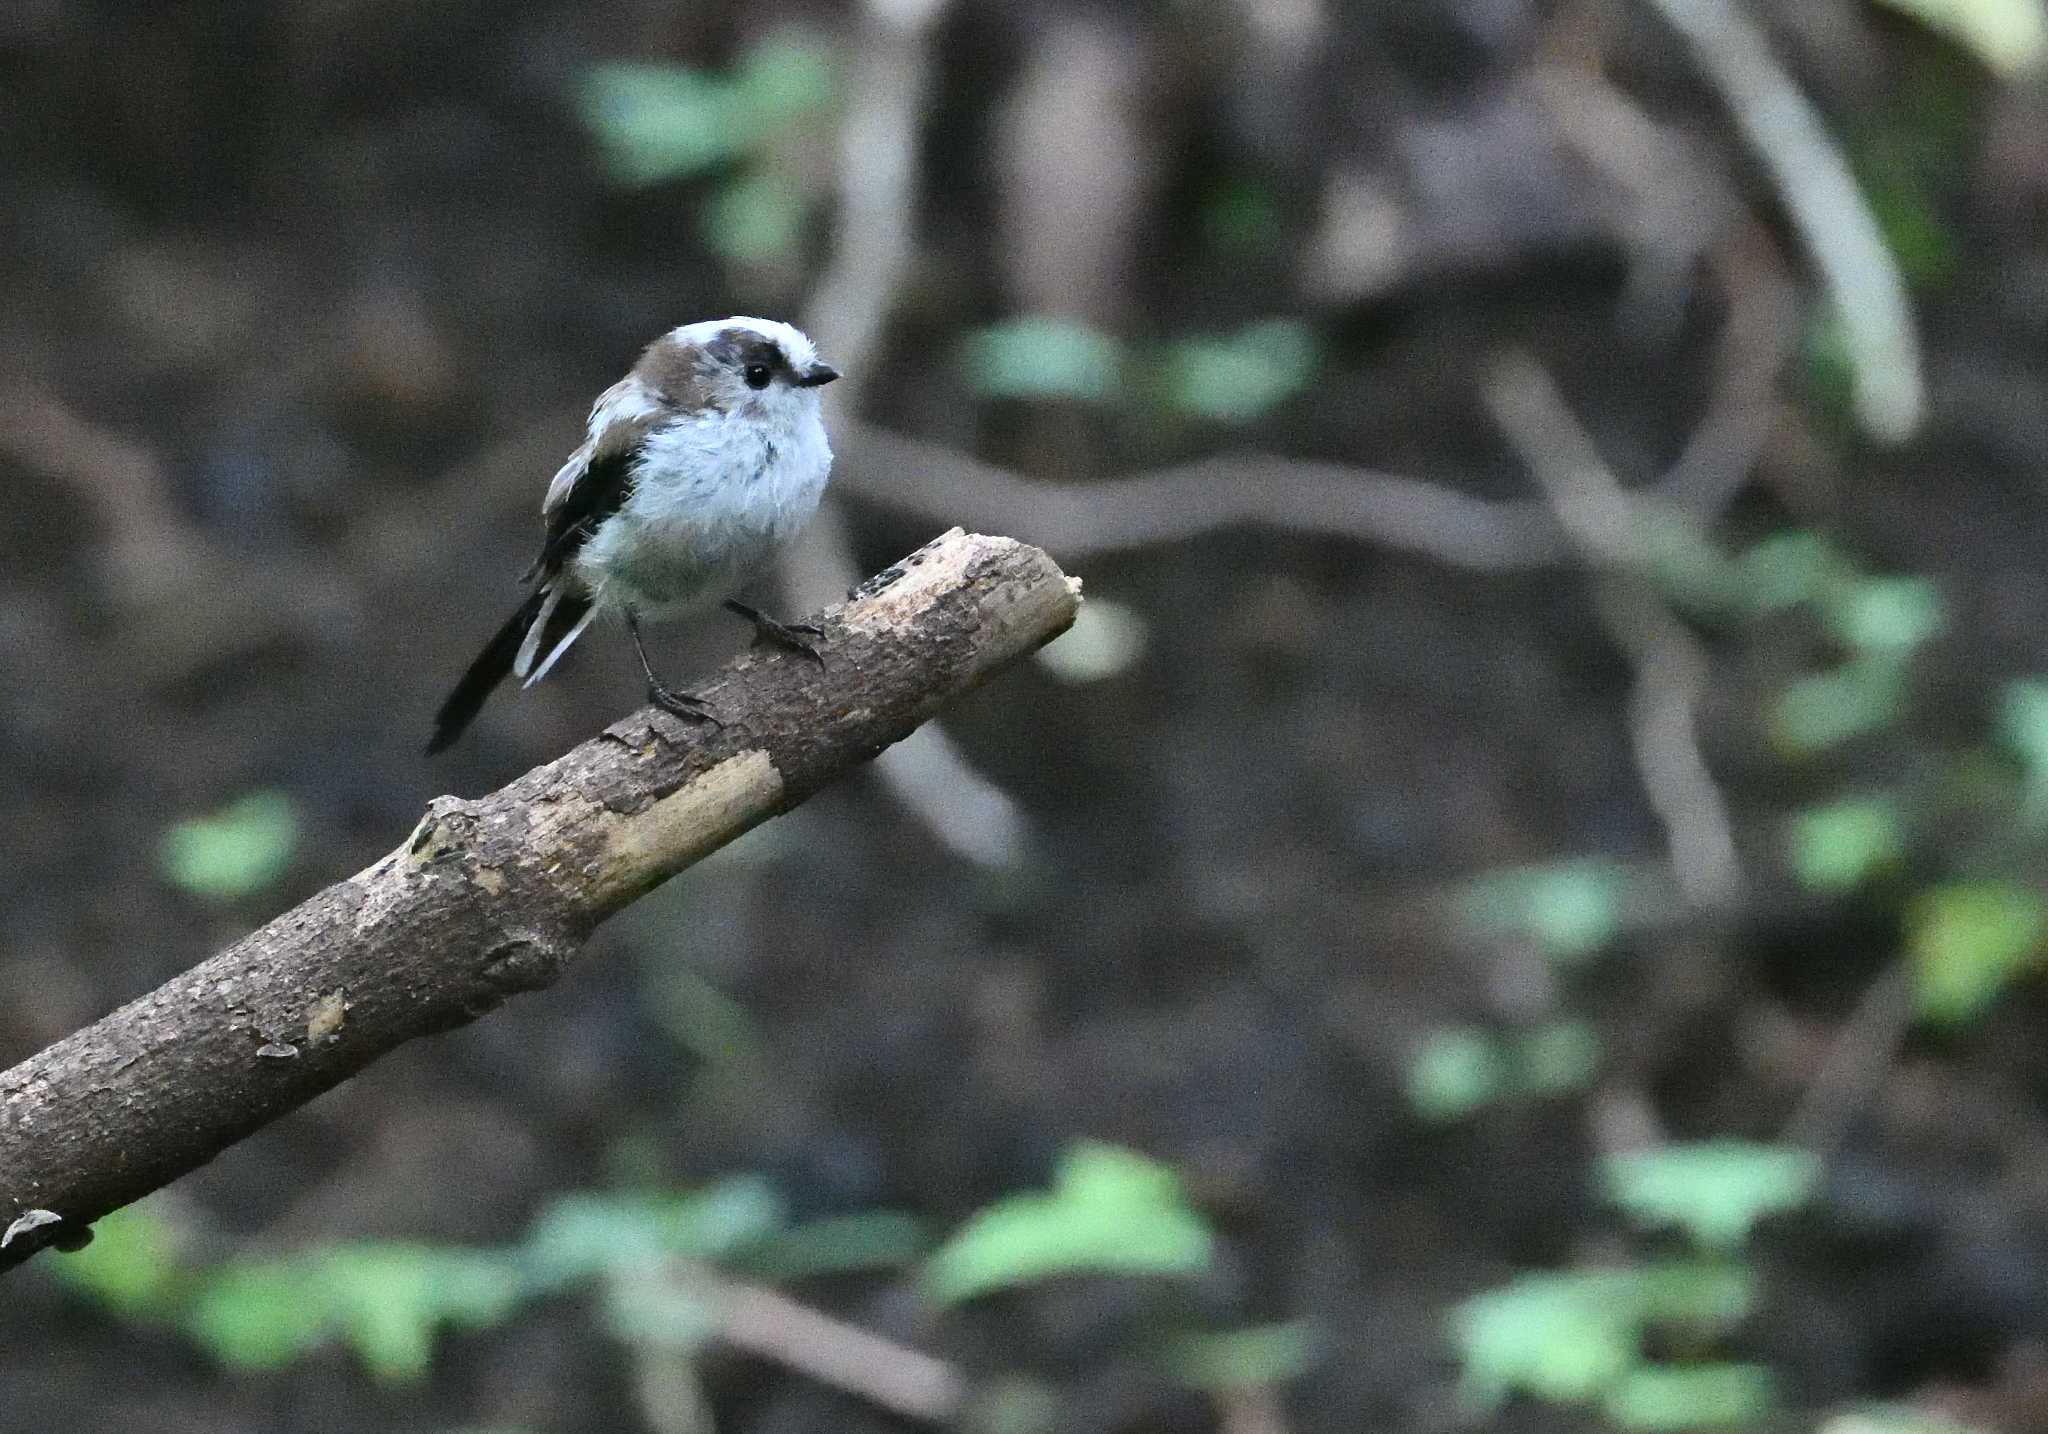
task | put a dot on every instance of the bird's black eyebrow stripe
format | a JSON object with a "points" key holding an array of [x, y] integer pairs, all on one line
{"points": [[741, 346]]}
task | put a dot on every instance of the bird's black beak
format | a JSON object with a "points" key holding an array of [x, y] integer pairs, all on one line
{"points": [[816, 375]]}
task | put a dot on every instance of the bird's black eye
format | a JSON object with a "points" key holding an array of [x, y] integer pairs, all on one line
{"points": [[757, 375]]}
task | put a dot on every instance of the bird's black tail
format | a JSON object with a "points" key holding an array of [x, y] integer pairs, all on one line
{"points": [[494, 664]]}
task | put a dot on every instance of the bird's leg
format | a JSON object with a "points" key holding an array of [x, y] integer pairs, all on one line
{"points": [[679, 704], [787, 634]]}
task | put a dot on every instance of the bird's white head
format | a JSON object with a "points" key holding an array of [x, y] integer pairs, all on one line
{"points": [[753, 367]]}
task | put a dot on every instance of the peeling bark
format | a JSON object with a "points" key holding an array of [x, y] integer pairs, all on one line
{"points": [[495, 896]]}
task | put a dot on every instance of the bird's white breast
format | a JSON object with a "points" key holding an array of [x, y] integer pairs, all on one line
{"points": [[714, 497]]}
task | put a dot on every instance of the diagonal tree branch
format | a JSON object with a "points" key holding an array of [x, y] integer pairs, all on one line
{"points": [[492, 897]]}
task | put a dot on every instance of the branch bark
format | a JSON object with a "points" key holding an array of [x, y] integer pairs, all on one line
{"points": [[492, 897]]}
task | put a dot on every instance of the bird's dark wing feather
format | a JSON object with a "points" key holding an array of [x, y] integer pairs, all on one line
{"points": [[598, 492]]}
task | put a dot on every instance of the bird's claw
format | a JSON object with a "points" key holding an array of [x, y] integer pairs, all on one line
{"points": [[791, 635], [685, 705]]}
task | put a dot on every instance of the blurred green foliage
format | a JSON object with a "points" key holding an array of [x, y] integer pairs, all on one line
{"points": [[1837, 846], [236, 852], [658, 123], [1967, 941], [1242, 377], [386, 1301], [1655, 1397], [1230, 379], [1569, 910], [2023, 728], [1715, 1190], [1234, 1359], [1462, 1069], [1109, 1211], [1583, 1337], [1043, 358], [132, 1267], [1574, 1337]]}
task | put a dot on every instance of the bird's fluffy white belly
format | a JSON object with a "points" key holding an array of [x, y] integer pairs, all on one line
{"points": [[713, 499]]}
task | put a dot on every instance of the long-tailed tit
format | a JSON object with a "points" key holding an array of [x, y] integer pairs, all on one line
{"points": [[698, 466]]}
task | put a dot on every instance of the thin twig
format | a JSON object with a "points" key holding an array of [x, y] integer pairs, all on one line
{"points": [[888, 87], [1826, 207], [1857, 1059], [1670, 668], [770, 1324], [1191, 500]]}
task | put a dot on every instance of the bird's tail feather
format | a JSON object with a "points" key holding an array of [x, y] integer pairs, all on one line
{"points": [[563, 625], [548, 620]]}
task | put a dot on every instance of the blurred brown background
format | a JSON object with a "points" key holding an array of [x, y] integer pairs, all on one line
{"points": [[1558, 684]]}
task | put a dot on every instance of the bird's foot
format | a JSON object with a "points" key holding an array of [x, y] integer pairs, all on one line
{"points": [[686, 705], [792, 635]]}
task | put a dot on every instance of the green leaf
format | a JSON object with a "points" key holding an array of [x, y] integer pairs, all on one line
{"points": [[2023, 720], [871, 1240], [238, 851], [1570, 1337], [1699, 1396], [1885, 615], [1458, 1070], [755, 219], [1237, 1359], [258, 1314], [782, 80], [660, 122], [583, 1235], [1967, 941], [655, 123], [1570, 910], [1043, 358], [2009, 36], [1837, 847], [1110, 1211], [131, 1267], [1821, 712], [1562, 1338], [2023, 726], [1785, 570], [1242, 378], [1716, 1190], [387, 1300], [391, 1300]]}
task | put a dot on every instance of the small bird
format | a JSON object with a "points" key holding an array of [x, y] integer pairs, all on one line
{"points": [[697, 467]]}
